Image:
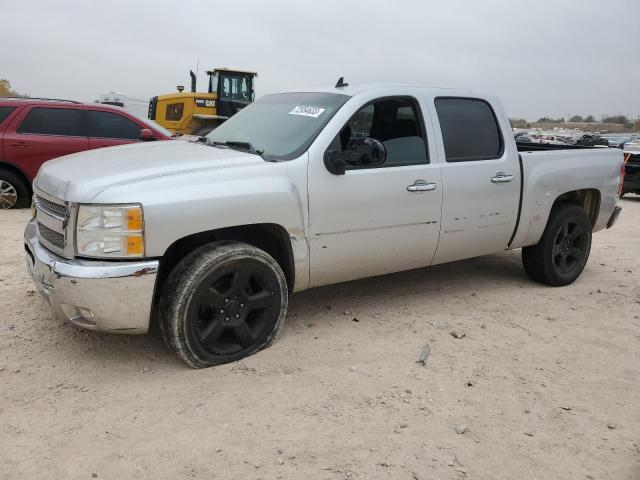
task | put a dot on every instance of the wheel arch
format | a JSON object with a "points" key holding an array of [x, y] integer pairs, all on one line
{"points": [[587, 198], [270, 237], [537, 212], [12, 168]]}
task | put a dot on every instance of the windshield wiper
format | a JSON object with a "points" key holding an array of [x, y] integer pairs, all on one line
{"points": [[237, 145]]}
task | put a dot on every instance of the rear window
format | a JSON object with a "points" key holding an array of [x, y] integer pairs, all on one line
{"points": [[469, 128], [54, 121], [111, 125], [5, 112]]}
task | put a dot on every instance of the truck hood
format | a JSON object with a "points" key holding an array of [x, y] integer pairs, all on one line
{"points": [[81, 176]]}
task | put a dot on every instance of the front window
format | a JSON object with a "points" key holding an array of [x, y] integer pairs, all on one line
{"points": [[111, 125], [393, 121], [280, 126], [235, 87]]}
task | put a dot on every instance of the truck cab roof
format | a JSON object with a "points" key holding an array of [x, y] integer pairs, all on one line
{"points": [[356, 89]]}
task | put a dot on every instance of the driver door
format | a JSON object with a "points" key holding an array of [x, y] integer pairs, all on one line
{"points": [[376, 219]]}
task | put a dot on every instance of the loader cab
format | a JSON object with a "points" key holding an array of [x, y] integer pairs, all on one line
{"points": [[233, 88]]}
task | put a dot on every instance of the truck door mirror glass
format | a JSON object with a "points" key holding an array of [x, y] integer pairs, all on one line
{"points": [[366, 152], [361, 153], [146, 134]]}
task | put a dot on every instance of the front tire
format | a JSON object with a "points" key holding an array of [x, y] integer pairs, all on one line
{"points": [[221, 303], [562, 253]]}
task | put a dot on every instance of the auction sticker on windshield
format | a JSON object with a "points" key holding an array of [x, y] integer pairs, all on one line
{"points": [[307, 111]]}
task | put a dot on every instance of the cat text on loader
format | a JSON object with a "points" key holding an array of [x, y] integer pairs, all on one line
{"points": [[196, 113]]}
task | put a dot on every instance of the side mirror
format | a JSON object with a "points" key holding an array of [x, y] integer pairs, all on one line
{"points": [[361, 152], [146, 135]]}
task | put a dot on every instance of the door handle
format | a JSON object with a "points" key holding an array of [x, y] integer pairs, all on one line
{"points": [[421, 186], [19, 144], [502, 178]]}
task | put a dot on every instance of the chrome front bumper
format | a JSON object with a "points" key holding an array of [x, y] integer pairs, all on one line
{"points": [[103, 296]]}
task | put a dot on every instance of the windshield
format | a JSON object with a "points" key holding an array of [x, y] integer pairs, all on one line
{"points": [[279, 126], [235, 87]]}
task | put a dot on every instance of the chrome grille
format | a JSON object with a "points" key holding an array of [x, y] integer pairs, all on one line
{"points": [[51, 236], [50, 207], [52, 216]]}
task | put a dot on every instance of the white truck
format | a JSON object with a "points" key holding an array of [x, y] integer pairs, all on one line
{"points": [[137, 105], [298, 190]]}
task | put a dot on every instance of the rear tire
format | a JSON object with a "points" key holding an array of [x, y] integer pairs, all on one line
{"points": [[221, 303], [14, 192], [562, 253]]}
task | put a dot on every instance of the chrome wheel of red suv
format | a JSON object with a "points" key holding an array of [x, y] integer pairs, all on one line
{"points": [[8, 194]]}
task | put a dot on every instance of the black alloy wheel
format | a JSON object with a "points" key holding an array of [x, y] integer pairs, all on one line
{"points": [[221, 303], [563, 250], [569, 247], [232, 308]]}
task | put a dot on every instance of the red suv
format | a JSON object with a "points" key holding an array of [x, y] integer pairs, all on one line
{"points": [[33, 131]]}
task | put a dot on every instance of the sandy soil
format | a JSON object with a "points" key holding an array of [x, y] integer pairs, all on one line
{"points": [[545, 384]]}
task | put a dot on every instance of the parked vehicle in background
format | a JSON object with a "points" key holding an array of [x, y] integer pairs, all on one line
{"points": [[549, 139], [33, 131], [631, 171], [630, 140], [617, 142], [137, 105], [590, 140], [632, 147], [299, 190], [522, 137]]}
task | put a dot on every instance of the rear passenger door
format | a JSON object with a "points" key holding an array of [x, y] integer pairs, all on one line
{"points": [[480, 178], [106, 129], [41, 133]]}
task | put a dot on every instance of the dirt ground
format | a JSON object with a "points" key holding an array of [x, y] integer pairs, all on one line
{"points": [[545, 384]]}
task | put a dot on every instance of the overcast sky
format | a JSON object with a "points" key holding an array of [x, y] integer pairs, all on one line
{"points": [[542, 57]]}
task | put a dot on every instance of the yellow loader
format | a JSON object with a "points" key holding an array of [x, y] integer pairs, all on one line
{"points": [[195, 113]]}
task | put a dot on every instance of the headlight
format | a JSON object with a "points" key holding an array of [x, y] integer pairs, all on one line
{"points": [[113, 231]]}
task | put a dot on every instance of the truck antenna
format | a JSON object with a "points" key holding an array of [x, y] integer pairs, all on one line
{"points": [[340, 83]]}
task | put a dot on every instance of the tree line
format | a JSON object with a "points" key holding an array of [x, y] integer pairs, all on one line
{"points": [[7, 91]]}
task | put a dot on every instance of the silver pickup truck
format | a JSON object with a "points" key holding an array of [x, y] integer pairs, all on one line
{"points": [[298, 190]]}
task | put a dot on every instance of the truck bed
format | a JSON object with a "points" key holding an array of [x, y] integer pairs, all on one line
{"points": [[536, 147], [549, 173]]}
